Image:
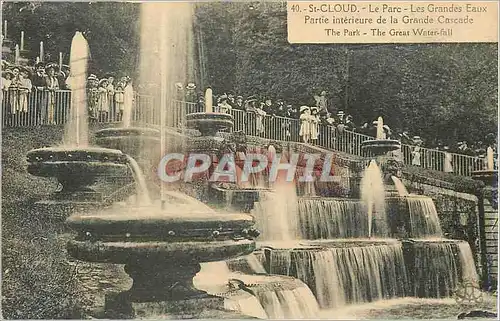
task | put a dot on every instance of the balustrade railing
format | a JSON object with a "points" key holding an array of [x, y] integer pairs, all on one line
{"points": [[52, 107]]}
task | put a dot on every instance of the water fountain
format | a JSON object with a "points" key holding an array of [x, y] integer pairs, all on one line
{"points": [[75, 164], [387, 244]]}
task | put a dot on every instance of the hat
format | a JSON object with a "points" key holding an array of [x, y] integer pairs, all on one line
{"points": [[7, 72], [323, 93], [385, 127], [39, 64], [303, 108], [239, 97], [179, 86], [191, 86], [92, 77], [223, 97], [51, 66], [340, 112], [314, 108], [103, 80]]}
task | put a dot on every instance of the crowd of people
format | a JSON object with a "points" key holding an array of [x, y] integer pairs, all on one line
{"points": [[19, 81], [105, 97], [311, 117], [106, 100]]}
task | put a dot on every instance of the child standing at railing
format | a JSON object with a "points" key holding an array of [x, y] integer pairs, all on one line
{"points": [[119, 100], [314, 125], [103, 102]]}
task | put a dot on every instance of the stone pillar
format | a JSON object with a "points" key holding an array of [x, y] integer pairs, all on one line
{"points": [[487, 213]]}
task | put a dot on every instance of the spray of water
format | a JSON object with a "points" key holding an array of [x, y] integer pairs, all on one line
{"points": [[76, 130], [373, 197], [128, 97]]}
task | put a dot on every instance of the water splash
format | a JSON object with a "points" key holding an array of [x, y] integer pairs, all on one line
{"points": [[143, 198], [400, 187], [373, 198], [76, 129], [276, 213]]}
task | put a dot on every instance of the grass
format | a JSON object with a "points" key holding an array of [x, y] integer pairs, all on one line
{"points": [[37, 279]]}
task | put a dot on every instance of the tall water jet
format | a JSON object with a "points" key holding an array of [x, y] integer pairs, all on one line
{"points": [[373, 199], [76, 129], [209, 101], [380, 129], [166, 37], [128, 98]]}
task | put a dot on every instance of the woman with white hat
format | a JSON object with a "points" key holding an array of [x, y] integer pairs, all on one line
{"points": [[305, 123]]}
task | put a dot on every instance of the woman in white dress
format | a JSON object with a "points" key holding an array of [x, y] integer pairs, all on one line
{"points": [[305, 123], [314, 124]]}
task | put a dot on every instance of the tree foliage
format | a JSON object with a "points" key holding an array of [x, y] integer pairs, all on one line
{"points": [[110, 28], [442, 92]]}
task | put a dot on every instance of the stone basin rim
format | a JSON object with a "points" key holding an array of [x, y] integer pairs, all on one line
{"points": [[127, 131], [100, 150], [124, 252]]}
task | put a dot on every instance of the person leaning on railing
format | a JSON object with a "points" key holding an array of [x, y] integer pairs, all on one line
{"points": [[39, 82], [52, 86]]}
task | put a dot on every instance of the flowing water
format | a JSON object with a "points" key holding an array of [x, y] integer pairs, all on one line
{"points": [[128, 97], [424, 220], [166, 57], [433, 268], [76, 132], [327, 218], [295, 302], [346, 273], [276, 213], [400, 187], [274, 297], [468, 267], [141, 186], [373, 198]]}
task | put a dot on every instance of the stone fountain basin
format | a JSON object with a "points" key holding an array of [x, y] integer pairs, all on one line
{"points": [[60, 161], [207, 121], [381, 145], [128, 131], [179, 222], [115, 235], [125, 252]]}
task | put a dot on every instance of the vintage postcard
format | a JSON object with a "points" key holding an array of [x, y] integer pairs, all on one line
{"points": [[249, 160]]}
